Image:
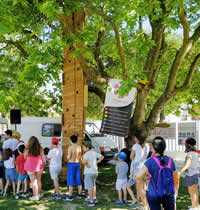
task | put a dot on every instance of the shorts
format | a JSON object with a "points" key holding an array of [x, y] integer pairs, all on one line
{"points": [[22, 177], [90, 181], [73, 174], [1, 172], [11, 173], [54, 172], [190, 180], [121, 184]]}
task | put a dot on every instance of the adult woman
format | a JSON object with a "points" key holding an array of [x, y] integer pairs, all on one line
{"points": [[34, 165], [157, 193]]}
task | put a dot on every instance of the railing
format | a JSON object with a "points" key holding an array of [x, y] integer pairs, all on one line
{"points": [[171, 144]]}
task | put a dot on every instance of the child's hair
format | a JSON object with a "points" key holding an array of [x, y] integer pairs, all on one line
{"points": [[190, 144], [8, 132], [7, 153], [33, 146], [74, 138], [46, 151], [21, 148], [141, 139], [159, 146]]}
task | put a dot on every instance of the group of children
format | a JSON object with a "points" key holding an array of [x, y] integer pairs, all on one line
{"points": [[24, 163], [155, 175]]}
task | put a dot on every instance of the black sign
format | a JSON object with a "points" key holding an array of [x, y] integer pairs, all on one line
{"points": [[116, 120]]}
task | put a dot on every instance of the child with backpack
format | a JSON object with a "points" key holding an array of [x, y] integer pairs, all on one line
{"points": [[191, 172], [160, 189], [121, 171]]}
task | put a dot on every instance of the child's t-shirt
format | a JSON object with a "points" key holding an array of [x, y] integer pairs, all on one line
{"points": [[55, 156], [20, 164], [194, 167], [91, 157], [9, 163], [122, 169]]}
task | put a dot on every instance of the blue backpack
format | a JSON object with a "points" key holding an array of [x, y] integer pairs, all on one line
{"points": [[165, 182]]}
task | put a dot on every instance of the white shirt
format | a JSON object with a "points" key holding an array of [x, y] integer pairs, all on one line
{"points": [[10, 144], [141, 154], [194, 167], [55, 156], [9, 163], [91, 157]]}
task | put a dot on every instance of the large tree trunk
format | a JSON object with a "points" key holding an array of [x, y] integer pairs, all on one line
{"points": [[74, 84]]}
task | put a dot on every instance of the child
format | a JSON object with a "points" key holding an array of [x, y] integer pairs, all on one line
{"points": [[10, 171], [90, 171], [22, 175], [55, 158], [192, 172], [34, 166], [74, 155], [121, 171], [139, 153], [1, 173]]}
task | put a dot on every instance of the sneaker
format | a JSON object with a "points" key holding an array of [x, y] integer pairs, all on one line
{"points": [[119, 202], [86, 197], [95, 201], [58, 197], [90, 203], [54, 196], [24, 195], [17, 197], [33, 198], [79, 196], [68, 198], [134, 204], [41, 195], [125, 201]]}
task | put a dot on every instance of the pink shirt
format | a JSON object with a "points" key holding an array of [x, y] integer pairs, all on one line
{"points": [[34, 163]]}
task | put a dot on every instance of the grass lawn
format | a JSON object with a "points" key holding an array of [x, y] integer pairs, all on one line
{"points": [[106, 195]]}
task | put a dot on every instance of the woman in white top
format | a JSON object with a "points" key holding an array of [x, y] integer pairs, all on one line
{"points": [[191, 170], [139, 153]]}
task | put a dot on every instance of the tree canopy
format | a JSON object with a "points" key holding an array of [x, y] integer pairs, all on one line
{"points": [[135, 41]]}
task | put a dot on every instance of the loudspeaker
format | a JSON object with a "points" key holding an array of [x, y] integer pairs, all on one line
{"points": [[15, 116]]}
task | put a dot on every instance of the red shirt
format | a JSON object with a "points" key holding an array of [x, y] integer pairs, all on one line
{"points": [[20, 164]]}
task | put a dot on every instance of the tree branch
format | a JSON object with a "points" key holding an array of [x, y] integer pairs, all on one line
{"points": [[188, 79], [26, 31], [120, 48], [17, 45], [154, 52], [97, 52], [186, 26], [196, 34], [89, 74], [98, 92]]}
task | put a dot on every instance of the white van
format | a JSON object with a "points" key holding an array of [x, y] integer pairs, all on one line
{"points": [[44, 128]]}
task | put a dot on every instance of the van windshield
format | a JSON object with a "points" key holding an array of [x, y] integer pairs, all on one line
{"points": [[92, 129]]}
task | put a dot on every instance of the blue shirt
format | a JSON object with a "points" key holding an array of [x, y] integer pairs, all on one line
{"points": [[153, 167], [1, 162]]}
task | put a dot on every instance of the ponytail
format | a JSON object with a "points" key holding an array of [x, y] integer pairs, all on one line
{"points": [[162, 160]]}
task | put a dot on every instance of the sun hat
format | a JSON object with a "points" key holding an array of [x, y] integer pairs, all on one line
{"points": [[122, 155]]}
